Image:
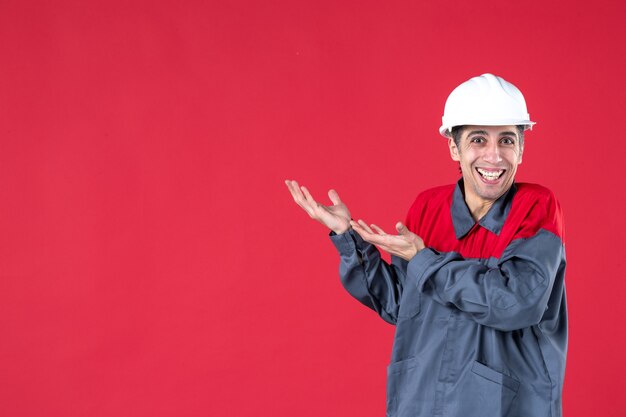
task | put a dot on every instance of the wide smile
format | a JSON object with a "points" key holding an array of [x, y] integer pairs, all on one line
{"points": [[490, 176]]}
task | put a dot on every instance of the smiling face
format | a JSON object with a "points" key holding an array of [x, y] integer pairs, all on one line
{"points": [[489, 156]]}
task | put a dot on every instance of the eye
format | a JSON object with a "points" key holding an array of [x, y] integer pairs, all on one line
{"points": [[507, 141], [477, 139]]}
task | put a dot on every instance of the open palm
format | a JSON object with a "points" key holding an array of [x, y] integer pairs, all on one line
{"points": [[336, 217]]}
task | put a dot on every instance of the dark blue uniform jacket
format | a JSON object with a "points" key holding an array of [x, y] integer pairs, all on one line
{"points": [[480, 314]]}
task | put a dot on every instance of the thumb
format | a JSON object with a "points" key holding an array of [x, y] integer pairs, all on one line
{"points": [[334, 197], [402, 229]]}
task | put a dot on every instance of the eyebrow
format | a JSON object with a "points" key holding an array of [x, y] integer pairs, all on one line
{"points": [[484, 132], [477, 132]]}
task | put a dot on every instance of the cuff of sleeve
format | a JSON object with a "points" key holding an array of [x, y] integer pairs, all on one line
{"points": [[344, 242], [419, 264]]}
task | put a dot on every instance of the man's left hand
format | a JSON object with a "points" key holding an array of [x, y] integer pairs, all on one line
{"points": [[405, 244]]}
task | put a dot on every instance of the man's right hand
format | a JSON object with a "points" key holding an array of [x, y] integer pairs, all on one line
{"points": [[335, 217]]}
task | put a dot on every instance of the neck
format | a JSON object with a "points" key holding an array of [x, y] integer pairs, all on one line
{"points": [[478, 208]]}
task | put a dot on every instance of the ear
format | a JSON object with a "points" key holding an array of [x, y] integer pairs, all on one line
{"points": [[454, 151], [519, 158]]}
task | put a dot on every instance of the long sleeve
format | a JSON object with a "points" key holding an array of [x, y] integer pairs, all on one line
{"points": [[367, 277], [512, 295]]}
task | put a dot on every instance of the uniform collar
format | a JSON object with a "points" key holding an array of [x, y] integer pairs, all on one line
{"points": [[494, 219]]}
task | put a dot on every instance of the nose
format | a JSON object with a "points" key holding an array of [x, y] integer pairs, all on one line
{"points": [[492, 153]]}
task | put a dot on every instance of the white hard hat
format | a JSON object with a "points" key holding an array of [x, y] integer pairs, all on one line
{"points": [[486, 100]]}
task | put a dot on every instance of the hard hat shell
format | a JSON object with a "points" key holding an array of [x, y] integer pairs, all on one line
{"points": [[486, 100]]}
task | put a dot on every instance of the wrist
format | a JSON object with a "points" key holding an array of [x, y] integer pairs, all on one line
{"points": [[341, 230]]}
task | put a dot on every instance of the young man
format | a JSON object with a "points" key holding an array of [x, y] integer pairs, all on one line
{"points": [[476, 284]]}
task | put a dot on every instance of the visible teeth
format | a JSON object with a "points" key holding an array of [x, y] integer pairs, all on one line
{"points": [[490, 175]]}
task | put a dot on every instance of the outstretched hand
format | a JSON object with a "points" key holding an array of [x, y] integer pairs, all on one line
{"points": [[335, 217], [405, 244]]}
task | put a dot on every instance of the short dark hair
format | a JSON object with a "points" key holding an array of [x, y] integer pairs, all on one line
{"points": [[457, 131]]}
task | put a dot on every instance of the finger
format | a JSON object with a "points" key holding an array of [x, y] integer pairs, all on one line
{"points": [[374, 239], [288, 184], [308, 196], [309, 200], [299, 198], [295, 192], [378, 229], [359, 229], [355, 225], [365, 226], [365, 235], [334, 197], [402, 229], [294, 189]]}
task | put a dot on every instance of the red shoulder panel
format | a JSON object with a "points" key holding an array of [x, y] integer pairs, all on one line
{"points": [[429, 217], [540, 210], [533, 208]]}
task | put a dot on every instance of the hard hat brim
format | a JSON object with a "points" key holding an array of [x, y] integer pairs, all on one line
{"points": [[528, 125]]}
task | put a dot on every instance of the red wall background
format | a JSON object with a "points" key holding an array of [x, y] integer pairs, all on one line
{"points": [[152, 262]]}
